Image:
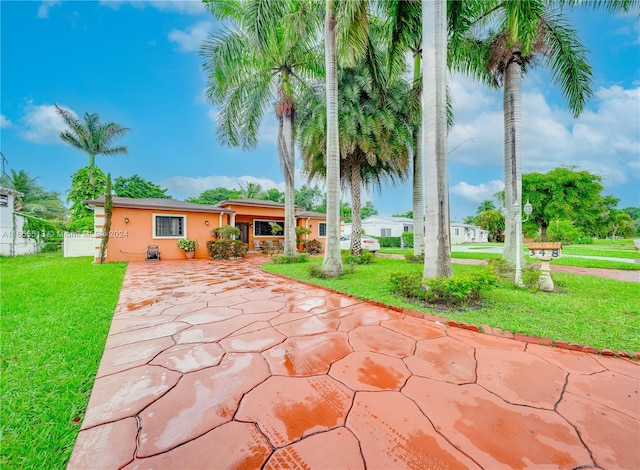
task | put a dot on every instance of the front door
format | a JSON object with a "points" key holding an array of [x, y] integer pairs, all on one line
{"points": [[244, 231]]}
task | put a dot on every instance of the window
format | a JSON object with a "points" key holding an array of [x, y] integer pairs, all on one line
{"points": [[264, 228], [457, 231], [4, 200], [170, 226], [385, 232], [322, 229]]}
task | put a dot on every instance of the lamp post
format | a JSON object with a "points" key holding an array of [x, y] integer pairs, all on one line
{"points": [[517, 218]]}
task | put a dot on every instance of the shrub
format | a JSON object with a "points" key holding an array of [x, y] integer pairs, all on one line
{"points": [[52, 246], [563, 231], [389, 242], [407, 284], [459, 291], [502, 269], [366, 257], [407, 239], [312, 247], [225, 231], [286, 259], [315, 270], [188, 244], [227, 249], [411, 258]]}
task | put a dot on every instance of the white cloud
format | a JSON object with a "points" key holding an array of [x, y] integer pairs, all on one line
{"points": [[477, 193], [43, 9], [187, 7], [42, 124], [191, 39], [4, 122], [185, 186]]}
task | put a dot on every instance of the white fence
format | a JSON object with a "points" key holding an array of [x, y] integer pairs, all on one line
{"points": [[78, 244]]}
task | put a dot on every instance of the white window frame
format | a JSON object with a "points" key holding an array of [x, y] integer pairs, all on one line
{"points": [[171, 237], [456, 231], [325, 230], [279, 222], [386, 230]]}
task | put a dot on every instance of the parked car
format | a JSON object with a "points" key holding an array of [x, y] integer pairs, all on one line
{"points": [[367, 243]]}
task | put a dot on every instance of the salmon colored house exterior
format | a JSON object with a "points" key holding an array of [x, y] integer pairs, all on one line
{"points": [[138, 223]]}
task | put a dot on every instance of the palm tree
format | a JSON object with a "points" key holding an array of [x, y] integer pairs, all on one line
{"points": [[527, 33], [269, 50], [486, 205], [437, 259], [35, 199], [374, 133], [92, 137]]}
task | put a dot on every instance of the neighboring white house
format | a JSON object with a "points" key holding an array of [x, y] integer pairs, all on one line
{"points": [[378, 226], [13, 239]]}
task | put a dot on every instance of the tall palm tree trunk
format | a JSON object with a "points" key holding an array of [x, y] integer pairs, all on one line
{"points": [[288, 159], [332, 263], [512, 154], [418, 175], [355, 181], [437, 259]]}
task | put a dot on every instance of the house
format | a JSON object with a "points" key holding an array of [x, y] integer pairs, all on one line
{"points": [[138, 223], [14, 240], [378, 226]]}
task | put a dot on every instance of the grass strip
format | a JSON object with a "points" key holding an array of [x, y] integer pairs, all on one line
{"points": [[56, 314], [591, 311]]}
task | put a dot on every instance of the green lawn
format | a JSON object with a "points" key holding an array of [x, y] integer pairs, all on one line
{"points": [[591, 311], [56, 314]]}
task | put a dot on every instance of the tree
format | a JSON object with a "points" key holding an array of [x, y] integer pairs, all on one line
{"points": [[138, 188], [373, 128], [437, 256], [83, 190], [273, 194], [251, 191], [564, 193], [486, 205], [35, 200], [368, 210], [92, 137], [492, 221], [408, 215], [527, 32], [309, 198], [267, 50], [216, 195]]}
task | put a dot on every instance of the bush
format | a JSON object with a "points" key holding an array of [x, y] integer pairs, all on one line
{"points": [[564, 231], [312, 247], [411, 258], [502, 269], [52, 246], [366, 257], [389, 242], [225, 231], [315, 270], [459, 291], [286, 259], [407, 239], [227, 249], [407, 285]]}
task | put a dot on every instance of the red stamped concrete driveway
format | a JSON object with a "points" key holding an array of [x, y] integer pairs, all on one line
{"points": [[215, 365]]}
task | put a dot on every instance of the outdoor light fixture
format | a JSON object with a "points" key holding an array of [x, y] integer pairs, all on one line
{"points": [[517, 216], [126, 220], [206, 222]]}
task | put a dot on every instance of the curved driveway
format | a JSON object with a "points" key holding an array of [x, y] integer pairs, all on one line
{"points": [[216, 364]]}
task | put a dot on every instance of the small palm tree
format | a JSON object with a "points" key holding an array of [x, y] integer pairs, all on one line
{"points": [[92, 136], [35, 199], [267, 53]]}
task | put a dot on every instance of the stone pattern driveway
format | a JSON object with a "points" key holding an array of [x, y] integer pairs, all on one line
{"points": [[216, 364]]}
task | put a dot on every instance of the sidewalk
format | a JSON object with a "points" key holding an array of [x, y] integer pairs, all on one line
{"points": [[216, 364]]}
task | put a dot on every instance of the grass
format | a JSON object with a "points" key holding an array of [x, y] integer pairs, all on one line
{"points": [[592, 311], [56, 314]]}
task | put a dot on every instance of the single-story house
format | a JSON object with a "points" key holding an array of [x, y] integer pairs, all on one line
{"points": [[13, 238], [379, 226], [138, 223]]}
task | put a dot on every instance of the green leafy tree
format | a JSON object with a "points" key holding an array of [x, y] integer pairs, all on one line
{"points": [[470, 220], [487, 205], [564, 194], [35, 200], [262, 57], [216, 195], [83, 190], [491, 221], [273, 194], [408, 215], [92, 136], [251, 191], [308, 197], [138, 188], [368, 210]]}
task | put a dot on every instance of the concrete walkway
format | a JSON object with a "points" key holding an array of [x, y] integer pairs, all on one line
{"points": [[216, 364]]}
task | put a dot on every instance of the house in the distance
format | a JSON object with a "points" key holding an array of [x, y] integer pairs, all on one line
{"points": [[14, 240], [138, 223], [378, 226]]}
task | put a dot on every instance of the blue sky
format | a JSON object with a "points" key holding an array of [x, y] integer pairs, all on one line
{"points": [[136, 63]]}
